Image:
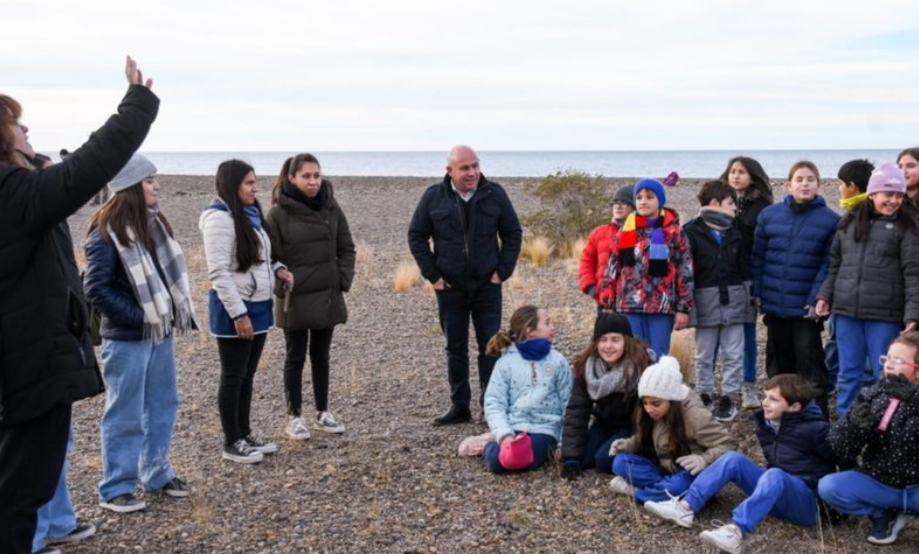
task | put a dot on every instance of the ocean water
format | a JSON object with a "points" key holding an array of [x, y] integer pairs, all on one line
{"points": [[642, 163]]}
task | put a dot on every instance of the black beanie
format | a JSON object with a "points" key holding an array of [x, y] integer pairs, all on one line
{"points": [[611, 322], [624, 194]]}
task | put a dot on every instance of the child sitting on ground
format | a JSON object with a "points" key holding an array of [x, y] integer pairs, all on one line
{"points": [[883, 427], [604, 395], [675, 438], [721, 277], [527, 394], [792, 433]]}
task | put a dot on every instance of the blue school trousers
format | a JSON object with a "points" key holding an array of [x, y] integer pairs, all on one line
{"points": [[769, 491], [858, 494], [651, 480], [654, 329], [543, 445], [749, 353], [860, 339]]}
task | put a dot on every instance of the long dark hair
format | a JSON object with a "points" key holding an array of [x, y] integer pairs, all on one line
{"points": [[127, 209], [911, 152], [861, 215], [230, 175], [759, 179], [289, 168], [676, 426], [634, 355]]}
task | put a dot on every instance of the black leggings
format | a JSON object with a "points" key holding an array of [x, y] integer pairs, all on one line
{"points": [[319, 342], [238, 362]]}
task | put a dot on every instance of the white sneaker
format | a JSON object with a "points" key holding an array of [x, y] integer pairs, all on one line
{"points": [[297, 429], [671, 510], [750, 398], [620, 486], [326, 422], [727, 538]]}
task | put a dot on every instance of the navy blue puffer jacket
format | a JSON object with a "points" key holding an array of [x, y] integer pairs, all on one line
{"points": [[791, 249], [106, 285], [800, 446]]}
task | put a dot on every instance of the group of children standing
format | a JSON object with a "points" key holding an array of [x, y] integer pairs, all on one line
{"points": [[794, 261]]}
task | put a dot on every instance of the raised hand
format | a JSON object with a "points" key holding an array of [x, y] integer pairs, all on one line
{"points": [[134, 75]]}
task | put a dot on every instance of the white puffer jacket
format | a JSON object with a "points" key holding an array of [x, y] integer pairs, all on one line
{"points": [[233, 286]]}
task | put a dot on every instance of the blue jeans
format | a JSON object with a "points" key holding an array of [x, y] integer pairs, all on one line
{"points": [[652, 482], [596, 450], [141, 402], [749, 353], [858, 494], [56, 518], [860, 340], [770, 491], [654, 329], [543, 445], [455, 308]]}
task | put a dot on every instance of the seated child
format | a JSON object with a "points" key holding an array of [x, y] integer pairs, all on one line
{"points": [[527, 394], [604, 395], [675, 438], [883, 427], [792, 433]]}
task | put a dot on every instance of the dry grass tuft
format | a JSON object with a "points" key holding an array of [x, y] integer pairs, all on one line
{"points": [[407, 276], [538, 250], [683, 347], [573, 249]]}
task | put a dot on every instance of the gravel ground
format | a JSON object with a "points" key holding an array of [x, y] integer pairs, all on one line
{"points": [[392, 483]]}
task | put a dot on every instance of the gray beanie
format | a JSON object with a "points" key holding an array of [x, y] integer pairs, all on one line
{"points": [[136, 170], [624, 194], [663, 380]]}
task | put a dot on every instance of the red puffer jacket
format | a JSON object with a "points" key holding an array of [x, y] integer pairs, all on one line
{"points": [[595, 259]]}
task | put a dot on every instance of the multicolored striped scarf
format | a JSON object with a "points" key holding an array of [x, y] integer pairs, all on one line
{"points": [[659, 254]]}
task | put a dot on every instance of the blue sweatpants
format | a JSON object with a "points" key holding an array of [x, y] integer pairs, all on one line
{"points": [[651, 480], [543, 445], [770, 491], [858, 494], [858, 340], [654, 329]]}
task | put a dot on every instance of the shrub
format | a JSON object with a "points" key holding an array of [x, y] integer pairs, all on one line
{"points": [[407, 276], [537, 249], [573, 203]]}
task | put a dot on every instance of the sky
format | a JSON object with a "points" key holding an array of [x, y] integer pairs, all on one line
{"points": [[346, 75]]}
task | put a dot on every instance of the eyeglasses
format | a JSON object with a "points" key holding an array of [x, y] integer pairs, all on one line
{"points": [[896, 363], [619, 203]]}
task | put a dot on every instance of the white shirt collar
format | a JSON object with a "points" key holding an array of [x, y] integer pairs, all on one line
{"points": [[467, 196]]}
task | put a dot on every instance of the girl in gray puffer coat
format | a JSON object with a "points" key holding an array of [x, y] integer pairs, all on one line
{"points": [[873, 281]]}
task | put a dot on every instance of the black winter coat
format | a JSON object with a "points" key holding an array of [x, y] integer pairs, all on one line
{"points": [[466, 253], [891, 456], [615, 411], [800, 448], [745, 219], [46, 354]]}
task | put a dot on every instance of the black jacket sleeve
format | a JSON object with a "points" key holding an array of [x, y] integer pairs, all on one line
{"points": [[511, 238], [420, 231], [577, 418]]}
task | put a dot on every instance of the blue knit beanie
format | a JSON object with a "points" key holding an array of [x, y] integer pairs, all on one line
{"points": [[653, 186]]}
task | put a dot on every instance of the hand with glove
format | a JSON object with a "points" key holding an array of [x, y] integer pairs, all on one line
{"points": [[591, 291], [621, 445], [863, 416], [693, 463], [571, 470]]}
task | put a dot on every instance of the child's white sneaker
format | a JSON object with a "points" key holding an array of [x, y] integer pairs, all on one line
{"points": [[620, 486], [671, 510], [728, 538], [297, 429]]}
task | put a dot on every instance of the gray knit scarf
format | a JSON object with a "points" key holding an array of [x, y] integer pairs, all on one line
{"points": [[157, 299], [603, 380]]}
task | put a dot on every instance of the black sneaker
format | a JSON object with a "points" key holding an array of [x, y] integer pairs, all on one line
{"points": [[456, 414], [241, 453], [79, 533], [706, 400], [884, 529], [263, 446], [176, 488], [124, 504], [726, 410]]}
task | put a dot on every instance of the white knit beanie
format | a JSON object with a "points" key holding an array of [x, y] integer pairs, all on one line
{"points": [[135, 171], [663, 380]]}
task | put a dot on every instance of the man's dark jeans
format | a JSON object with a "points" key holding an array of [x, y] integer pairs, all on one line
{"points": [[455, 307]]}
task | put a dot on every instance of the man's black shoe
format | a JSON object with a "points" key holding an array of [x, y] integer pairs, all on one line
{"points": [[456, 414]]}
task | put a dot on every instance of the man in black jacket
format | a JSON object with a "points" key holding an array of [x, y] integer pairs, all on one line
{"points": [[46, 354], [465, 215]]}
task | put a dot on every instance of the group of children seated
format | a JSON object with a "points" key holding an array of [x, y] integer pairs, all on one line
{"points": [[624, 408]]}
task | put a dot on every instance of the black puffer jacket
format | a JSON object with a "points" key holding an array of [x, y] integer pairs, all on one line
{"points": [[748, 210], [891, 456], [466, 253], [800, 447], [877, 278], [46, 354]]}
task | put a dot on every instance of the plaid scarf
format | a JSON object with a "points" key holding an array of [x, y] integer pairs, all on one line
{"points": [[659, 254], [165, 306]]}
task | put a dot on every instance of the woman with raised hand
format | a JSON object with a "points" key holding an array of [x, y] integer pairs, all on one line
{"points": [[314, 241], [241, 270], [137, 278]]}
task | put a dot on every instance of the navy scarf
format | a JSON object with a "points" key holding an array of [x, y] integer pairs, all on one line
{"points": [[534, 350]]}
